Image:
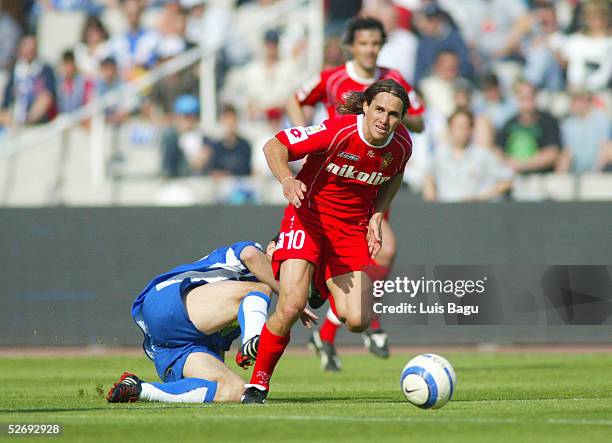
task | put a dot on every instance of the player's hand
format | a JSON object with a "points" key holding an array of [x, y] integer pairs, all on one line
{"points": [[374, 235], [293, 190], [308, 318]]}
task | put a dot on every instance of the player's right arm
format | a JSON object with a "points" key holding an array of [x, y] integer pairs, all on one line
{"points": [[277, 157]]}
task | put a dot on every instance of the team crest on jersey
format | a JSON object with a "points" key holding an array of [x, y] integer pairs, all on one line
{"points": [[387, 158], [315, 128], [348, 156]]}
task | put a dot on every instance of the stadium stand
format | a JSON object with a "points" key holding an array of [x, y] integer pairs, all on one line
{"points": [[74, 162]]}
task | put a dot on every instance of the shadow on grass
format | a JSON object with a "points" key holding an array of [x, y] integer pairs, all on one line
{"points": [[332, 399], [106, 408]]}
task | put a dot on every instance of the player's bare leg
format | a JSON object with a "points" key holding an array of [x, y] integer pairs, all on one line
{"points": [[294, 281], [352, 294], [204, 366], [214, 306], [375, 339]]}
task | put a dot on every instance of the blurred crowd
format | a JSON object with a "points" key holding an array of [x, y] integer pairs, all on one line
{"points": [[510, 86]]}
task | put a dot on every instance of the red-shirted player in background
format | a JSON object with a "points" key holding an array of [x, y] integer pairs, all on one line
{"points": [[354, 168], [364, 38]]}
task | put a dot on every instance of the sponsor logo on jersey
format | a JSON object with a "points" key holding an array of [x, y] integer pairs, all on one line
{"points": [[387, 158], [348, 156], [315, 128], [296, 135], [348, 171]]}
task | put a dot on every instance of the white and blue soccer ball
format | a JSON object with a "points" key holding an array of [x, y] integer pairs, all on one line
{"points": [[428, 381]]}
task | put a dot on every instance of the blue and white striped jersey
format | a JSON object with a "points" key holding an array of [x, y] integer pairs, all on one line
{"points": [[222, 264]]}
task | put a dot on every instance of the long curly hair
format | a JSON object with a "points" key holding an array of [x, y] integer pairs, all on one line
{"points": [[355, 99]]}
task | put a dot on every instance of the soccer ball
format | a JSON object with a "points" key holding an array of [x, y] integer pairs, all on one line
{"points": [[428, 381]]}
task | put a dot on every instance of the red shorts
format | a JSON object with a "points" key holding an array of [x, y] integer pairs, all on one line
{"points": [[335, 247]]}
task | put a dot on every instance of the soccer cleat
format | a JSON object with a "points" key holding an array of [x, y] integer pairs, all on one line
{"points": [[126, 390], [314, 297], [247, 353], [254, 394], [377, 342], [326, 352]]}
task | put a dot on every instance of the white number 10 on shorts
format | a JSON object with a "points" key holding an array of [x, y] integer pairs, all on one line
{"points": [[295, 239]]}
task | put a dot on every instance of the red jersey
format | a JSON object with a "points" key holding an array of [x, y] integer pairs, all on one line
{"points": [[332, 85], [343, 171]]}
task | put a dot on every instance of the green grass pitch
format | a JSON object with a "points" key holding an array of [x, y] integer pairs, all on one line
{"points": [[526, 397]]}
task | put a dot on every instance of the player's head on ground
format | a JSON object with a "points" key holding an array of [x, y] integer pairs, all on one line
{"points": [[384, 104], [364, 37], [271, 246]]}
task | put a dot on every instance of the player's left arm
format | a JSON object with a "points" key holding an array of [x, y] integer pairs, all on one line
{"points": [[385, 196], [259, 264]]}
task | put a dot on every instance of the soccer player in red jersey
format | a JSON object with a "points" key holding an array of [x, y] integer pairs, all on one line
{"points": [[354, 168], [364, 38]]}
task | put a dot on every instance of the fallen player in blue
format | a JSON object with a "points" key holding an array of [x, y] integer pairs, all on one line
{"points": [[191, 315]]}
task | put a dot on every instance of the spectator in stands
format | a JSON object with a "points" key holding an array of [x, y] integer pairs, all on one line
{"points": [[263, 85], [73, 89], [183, 150], [29, 97], [109, 80], [172, 23], [438, 35], [537, 37], [93, 47], [530, 140], [585, 134], [589, 53], [439, 88], [231, 154], [463, 171], [9, 38], [134, 50], [399, 51], [207, 25], [160, 101], [491, 103], [486, 26]]}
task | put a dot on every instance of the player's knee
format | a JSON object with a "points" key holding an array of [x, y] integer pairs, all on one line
{"points": [[357, 323], [229, 389], [356, 327], [261, 287], [290, 311]]}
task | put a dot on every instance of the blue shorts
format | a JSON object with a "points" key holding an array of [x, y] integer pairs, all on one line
{"points": [[169, 334]]}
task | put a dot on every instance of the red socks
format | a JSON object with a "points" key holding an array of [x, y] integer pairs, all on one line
{"points": [[328, 330], [271, 348], [375, 322]]}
